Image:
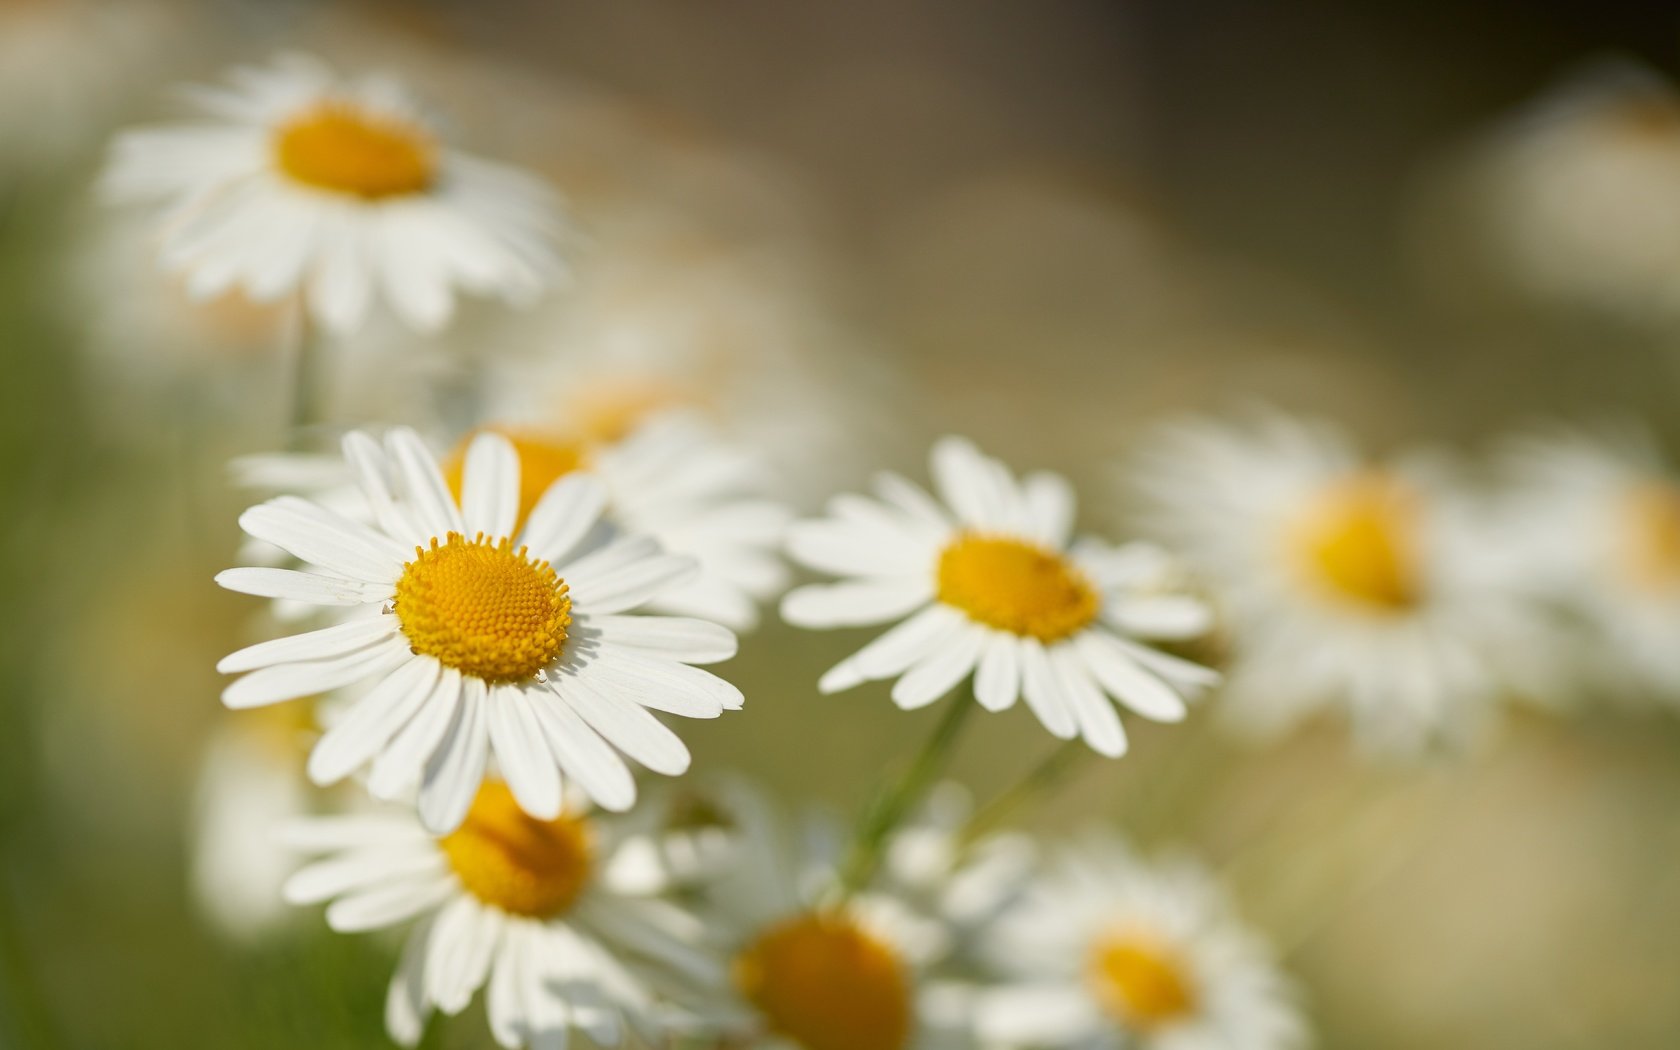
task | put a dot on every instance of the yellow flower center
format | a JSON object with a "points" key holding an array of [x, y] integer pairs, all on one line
{"points": [[337, 146], [824, 983], [1653, 525], [510, 860], [543, 460], [483, 608], [1016, 586], [1138, 982], [1357, 542]]}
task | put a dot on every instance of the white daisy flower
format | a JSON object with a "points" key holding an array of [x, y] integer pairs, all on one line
{"points": [[1348, 585], [479, 635], [294, 179], [988, 585], [1597, 520], [809, 971], [530, 910], [1108, 952]]}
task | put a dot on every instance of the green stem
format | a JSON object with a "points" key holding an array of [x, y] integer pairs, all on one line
{"points": [[306, 379], [1039, 781], [891, 806]]}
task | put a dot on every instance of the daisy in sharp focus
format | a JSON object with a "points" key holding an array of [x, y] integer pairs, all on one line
{"points": [[293, 179], [1596, 517], [987, 584], [478, 635], [1106, 952], [1369, 588], [534, 911]]}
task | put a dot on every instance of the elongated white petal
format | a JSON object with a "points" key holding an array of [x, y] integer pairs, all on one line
{"points": [[318, 536], [454, 772], [564, 515], [584, 756], [940, 672], [896, 649], [622, 589], [361, 869], [661, 684], [1043, 692], [268, 685], [679, 638], [1099, 722], [1121, 676], [458, 957], [490, 486], [308, 587], [425, 494], [372, 721], [406, 1008], [517, 739], [997, 682], [398, 767], [386, 905], [629, 727], [373, 476], [859, 603], [313, 645], [1163, 616]]}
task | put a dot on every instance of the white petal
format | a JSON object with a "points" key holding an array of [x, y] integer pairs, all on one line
{"points": [[857, 603], [1120, 675], [386, 905], [406, 1008], [292, 585], [997, 683], [337, 640], [372, 721], [1050, 506], [896, 649], [966, 482], [362, 869], [373, 475], [660, 684], [564, 514], [628, 727], [940, 672], [455, 771], [268, 685], [1043, 692], [320, 537], [1162, 616], [1099, 723], [677, 638], [490, 486], [625, 588], [517, 738], [425, 494], [584, 756], [398, 767], [458, 958]]}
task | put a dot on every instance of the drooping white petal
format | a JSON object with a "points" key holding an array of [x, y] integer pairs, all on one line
{"points": [[1121, 676], [455, 771], [516, 736], [1099, 722], [372, 721], [398, 767], [629, 727], [584, 756], [997, 682], [940, 672], [1043, 692]]}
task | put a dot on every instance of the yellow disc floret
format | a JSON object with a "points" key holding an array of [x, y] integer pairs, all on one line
{"points": [[1653, 533], [543, 460], [341, 147], [1016, 586], [513, 861], [483, 608], [1357, 541], [1139, 981], [826, 984]]}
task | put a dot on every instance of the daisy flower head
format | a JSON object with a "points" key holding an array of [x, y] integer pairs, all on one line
{"points": [[532, 910], [292, 179], [985, 582], [808, 971], [1596, 516], [478, 633], [1108, 951], [1372, 588]]}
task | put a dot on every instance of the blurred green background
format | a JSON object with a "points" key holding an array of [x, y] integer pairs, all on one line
{"points": [[1047, 226]]}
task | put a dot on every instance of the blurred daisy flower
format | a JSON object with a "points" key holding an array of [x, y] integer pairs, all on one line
{"points": [[482, 634], [531, 910], [1107, 951], [293, 179], [987, 584], [809, 971], [1369, 588], [1597, 519]]}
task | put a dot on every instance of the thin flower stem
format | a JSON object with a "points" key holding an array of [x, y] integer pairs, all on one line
{"points": [[306, 377], [890, 806], [1038, 783]]}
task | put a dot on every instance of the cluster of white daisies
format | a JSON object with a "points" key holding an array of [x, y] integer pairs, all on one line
{"points": [[489, 635]]}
